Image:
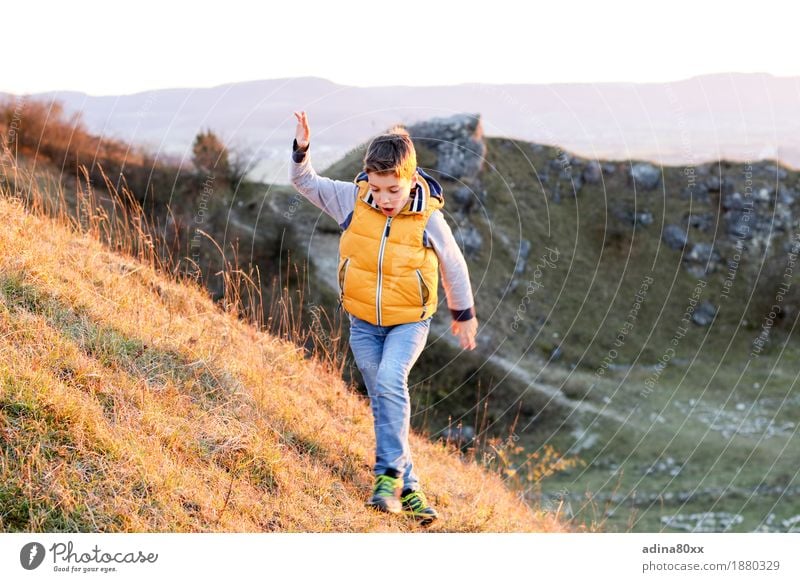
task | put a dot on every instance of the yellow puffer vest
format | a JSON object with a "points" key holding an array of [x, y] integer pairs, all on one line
{"points": [[387, 275]]}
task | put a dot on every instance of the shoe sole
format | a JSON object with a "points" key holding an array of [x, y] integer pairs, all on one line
{"points": [[422, 519], [379, 506]]}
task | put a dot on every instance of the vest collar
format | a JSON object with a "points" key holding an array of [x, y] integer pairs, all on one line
{"points": [[417, 201]]}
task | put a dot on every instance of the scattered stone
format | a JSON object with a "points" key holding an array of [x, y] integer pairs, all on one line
{"points": [[734, 201], [462, 196], [675, 237], [701, 260], [593, 172], [739, 224], [645, 176], [757, 421], [608, 168], [703, 221], [667, 466], [724, 186], [704, 314], [786, 195], [707, 521], [522, 258], [644, 218]]}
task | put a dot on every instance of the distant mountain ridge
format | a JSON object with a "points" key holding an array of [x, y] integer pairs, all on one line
{"points": [[737, 116]]}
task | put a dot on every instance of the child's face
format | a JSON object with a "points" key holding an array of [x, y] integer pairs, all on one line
{"points": [[391, 192]]}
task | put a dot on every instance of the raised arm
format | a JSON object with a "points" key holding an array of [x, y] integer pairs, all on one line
{"points": [[334, 197]]}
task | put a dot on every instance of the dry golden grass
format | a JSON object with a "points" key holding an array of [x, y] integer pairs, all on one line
{"points": [[130, 402]]}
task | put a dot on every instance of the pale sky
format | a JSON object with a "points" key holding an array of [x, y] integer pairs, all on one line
{"points": [[108, 48]]}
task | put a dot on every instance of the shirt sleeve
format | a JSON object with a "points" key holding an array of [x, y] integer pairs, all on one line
{"points": [[334, 197], [453, 266]]}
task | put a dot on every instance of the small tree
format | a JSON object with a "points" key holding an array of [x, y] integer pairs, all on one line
{"points": [[210, 156]]}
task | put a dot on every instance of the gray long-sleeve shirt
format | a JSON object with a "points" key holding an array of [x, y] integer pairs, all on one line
{"points": [[337, 199]]}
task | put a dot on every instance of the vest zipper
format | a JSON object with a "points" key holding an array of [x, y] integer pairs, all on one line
{"points": [[342, 276], [380, 268], [423, 295]]}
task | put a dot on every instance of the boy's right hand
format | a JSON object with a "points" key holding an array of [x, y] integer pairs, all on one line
{"points": [[465, 332], [302, 134]]}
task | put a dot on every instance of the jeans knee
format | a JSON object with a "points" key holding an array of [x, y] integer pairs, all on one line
{"points": [[390, 384]]}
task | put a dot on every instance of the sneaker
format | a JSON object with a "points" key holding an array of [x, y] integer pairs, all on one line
{"points": [[416, 505], [386, 492]]}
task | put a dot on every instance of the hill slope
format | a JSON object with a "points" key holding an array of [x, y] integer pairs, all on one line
{"points": [[130, 402]]}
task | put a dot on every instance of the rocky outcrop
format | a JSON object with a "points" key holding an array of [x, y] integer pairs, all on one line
{"points": [[457, 141], [460, 153]]}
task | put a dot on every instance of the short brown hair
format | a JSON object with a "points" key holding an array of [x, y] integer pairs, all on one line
{"points": [[392, 152]]}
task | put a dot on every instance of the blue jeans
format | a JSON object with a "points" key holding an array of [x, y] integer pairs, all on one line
{"points": [[385, 355]]}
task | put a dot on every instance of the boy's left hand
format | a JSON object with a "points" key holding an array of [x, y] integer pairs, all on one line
{"points": [[465, 332]]}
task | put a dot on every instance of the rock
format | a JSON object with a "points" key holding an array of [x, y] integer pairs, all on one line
{"points": [[735, 201], [761, 195], [704, 314], [701, 260], [556, 195], [522, 258], [592, 173], [675, 237], [791, 247], [725, 185], [728, 186], [783, 218], [740, 224], [458, 142], [703, 221], [644, 217], [608, 168], [645, 176], [572, 184], [786, 195], [713, 183], [464, 198]]}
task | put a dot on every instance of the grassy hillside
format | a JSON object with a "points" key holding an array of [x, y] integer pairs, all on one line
{"points": [[131, 402]]}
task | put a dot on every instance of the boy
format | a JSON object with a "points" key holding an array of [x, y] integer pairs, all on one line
{"points": [[395, 238]]}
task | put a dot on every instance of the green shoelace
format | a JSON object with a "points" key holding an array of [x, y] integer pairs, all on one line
{"points": [[385, 485], [416, 500]]}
